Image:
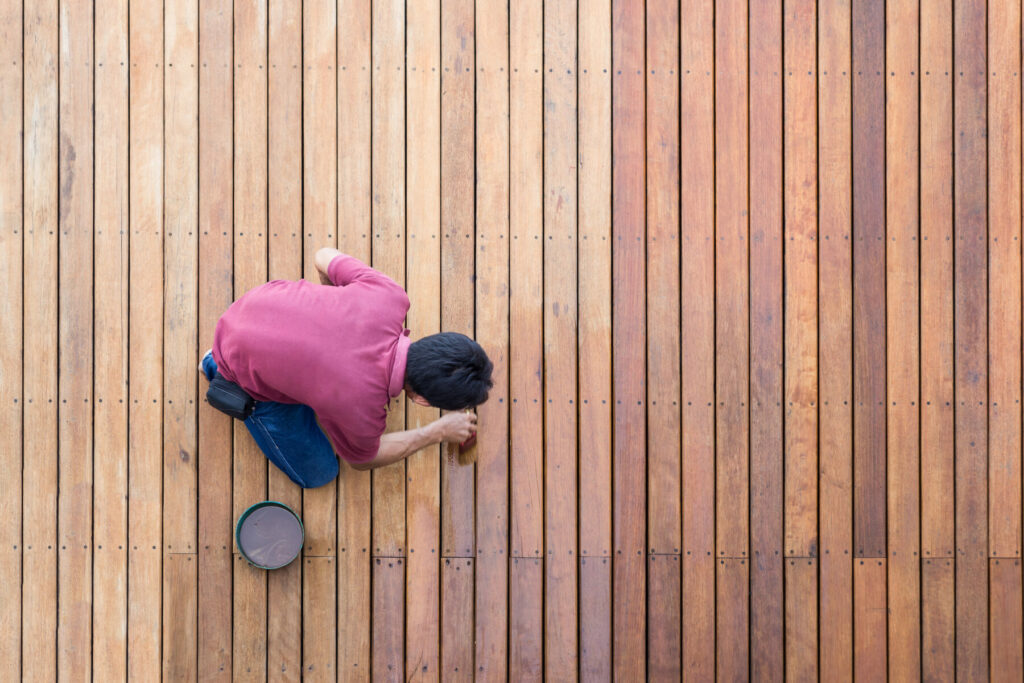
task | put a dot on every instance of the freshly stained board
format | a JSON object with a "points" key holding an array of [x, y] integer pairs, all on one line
{"points": [[628, 312], [560, 297], [145, 338], [181, 349], [492, 323], [766, 421], [697, 161], [902, 342], [423, 277], [215, 295], [835, 348], [970, 275], [352, 160], [75, 341], [594, 179]]}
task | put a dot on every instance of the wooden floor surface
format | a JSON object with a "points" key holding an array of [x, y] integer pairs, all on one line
{"points": [[749, 273]]}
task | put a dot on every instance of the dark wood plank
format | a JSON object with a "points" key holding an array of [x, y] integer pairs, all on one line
{"points": [[869, 619], [1004, 281], [1006, 620], [560, 311], [492, 328], [664, 628], [869, 278], [215, 294], [180, 322], [11, 340], [75, 342], [970, 338], [629, 385], [351, 155], [697, 106], [526, 641], [938, 614], [801, 619], [145, 447], [902, 298], [594, 101], [766, 343], [423, 276], [836, 339]]}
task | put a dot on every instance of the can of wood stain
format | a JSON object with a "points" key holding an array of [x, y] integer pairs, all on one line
{"points": [[269, 535]]}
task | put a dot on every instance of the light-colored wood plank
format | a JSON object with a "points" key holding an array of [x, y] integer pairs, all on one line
{"points": [[1004, 281], [492, 330], [39, 436], [766, 415], [526, 641], [594, 177], [560, 380], [697, 159], [664, 650], [216, 191], [970, 277], [835, 310], [181, 280], [353, 201], [11, 341], [938, 614], [902, 343], [1006, 620], [145, 446], [75, 333], [732, 606], [423, 276], [387, 658], [801, 618], [457, 618], [869, 618]]}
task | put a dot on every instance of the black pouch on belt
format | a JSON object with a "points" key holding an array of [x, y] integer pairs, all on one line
{"points": [[229, 398]]}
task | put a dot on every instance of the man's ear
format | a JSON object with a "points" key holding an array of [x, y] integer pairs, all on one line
{"points": [[417, 399]]}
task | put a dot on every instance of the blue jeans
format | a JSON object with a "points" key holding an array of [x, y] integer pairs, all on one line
{"points": [[289, 436]]}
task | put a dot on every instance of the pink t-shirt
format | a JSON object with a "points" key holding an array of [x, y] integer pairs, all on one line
{"points": [[340, 350]]}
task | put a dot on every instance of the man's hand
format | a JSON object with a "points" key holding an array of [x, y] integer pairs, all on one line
{"points": [[456, 427]]}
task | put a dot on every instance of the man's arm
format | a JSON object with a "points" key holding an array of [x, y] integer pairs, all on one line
{"points": [[322, 260], [457, 427]]}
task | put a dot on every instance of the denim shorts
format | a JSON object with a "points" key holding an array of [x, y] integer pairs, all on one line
{"points": [[290, 437]]}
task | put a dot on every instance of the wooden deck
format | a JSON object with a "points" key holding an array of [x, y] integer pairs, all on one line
{"points": [[751, 282]]}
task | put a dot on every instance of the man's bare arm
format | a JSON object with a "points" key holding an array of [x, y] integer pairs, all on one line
{"points": [[322, 260], [457, 427]]}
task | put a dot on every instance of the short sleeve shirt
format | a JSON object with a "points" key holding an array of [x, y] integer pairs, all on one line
{"points": [[340, 350]]}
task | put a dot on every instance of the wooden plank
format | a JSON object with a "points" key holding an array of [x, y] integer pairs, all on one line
{"points": [[492, 327], [938, 646], [456, 618], [664, 651], [560, 313], [937, 487], [75, 340], [145, 447], [1006, 620], [835, 350], [526, 284], [869, 619], [766, 416], [181, 280], [902, 344], [320, 163], [216, 192], [697, 106], [970, 338], [39, 436], [388, 250], [731, 608], [11, 341], [594, 129], [801, 618], [629, 338], [526, 641], [284, 259], [457, 253], [353, 211], [388, 660], [1004, 284], [250, 270], [423, 276]]}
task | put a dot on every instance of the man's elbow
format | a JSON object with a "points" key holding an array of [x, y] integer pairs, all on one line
{"points": [[361, 466]]}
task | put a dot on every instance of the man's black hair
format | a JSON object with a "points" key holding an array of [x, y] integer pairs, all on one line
{"points": [[450, 370]]}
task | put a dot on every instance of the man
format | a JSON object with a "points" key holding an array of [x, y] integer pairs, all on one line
{"points": [[336, 353]]}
